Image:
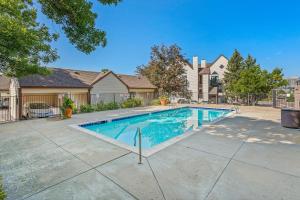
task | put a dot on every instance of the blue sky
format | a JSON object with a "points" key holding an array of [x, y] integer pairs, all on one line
{"points": [[268, 30]]}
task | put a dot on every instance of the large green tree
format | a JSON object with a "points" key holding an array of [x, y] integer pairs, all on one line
{"points": [[166, 70], [247, 81], [25, 44], [234, 68]]}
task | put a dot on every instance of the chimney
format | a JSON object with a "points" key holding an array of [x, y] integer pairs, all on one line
{"points": [[203, 63], [195, 62]]}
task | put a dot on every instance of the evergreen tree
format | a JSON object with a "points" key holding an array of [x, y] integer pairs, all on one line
{"points": [[246, 80], [249, 62], [231, 76]]}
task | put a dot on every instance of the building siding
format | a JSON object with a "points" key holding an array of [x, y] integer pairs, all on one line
{"points": [[216, 67], [109, 84], [193, 78], [205, 88]]}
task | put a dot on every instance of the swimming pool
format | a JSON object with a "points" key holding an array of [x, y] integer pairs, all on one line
{"points": [[156, 127]]}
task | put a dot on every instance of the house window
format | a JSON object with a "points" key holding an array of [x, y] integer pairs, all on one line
{"points": [[214, 79], [132, 94], [222, 66]]}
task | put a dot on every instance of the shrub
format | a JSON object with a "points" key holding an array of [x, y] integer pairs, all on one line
{"points": [[100, 106], [106, 106], [111, 106], [155, 102], [2, 193], [75, 110], [131, 102], [86, 108]]}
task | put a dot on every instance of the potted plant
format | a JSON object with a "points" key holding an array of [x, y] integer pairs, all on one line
{"points": [[163, 100], [67, 107]]}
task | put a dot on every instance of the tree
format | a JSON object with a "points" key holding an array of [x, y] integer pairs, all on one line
{"points": [[166, 71], [276, 79], [246, 80], [25, 44], [104, 70], [234, 68], [249, 62]]}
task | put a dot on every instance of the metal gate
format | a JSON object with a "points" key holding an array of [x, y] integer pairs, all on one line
{"points": [[8, 108]]}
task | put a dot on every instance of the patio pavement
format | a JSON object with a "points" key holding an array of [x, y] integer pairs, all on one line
{"points": [[246, 156]]}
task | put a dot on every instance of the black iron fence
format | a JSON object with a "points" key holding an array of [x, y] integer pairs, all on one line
{"points": [[273, 99], [28, 106], [146, 97], [8, 108]]}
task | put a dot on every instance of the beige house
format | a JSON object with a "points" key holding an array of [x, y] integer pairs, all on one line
{"points": [[84, 87], [205, 79]]}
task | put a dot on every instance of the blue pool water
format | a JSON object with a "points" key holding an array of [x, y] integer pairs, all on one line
{"points": [[156, 127]]}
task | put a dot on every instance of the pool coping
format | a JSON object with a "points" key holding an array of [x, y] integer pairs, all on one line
{"points": [[157, 148]]}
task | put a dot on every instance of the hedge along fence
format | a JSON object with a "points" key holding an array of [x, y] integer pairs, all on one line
{"points": [[129, 103]]}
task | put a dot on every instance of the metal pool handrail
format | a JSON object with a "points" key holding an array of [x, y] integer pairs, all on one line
{"points": [[139, 132]]}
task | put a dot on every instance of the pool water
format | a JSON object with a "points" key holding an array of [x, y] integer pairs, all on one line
{"points": [[156, 127]]}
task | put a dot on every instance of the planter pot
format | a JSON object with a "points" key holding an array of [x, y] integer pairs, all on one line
{"points": [[163, 102], [68, 112], [290, 118]]}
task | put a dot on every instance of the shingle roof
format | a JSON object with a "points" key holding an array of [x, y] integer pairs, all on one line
{"points": [[4, 82], [58, 78], [136, 81], [79, 79]]}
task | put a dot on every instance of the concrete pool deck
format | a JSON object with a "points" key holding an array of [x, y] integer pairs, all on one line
{"points": [[245, 156]]}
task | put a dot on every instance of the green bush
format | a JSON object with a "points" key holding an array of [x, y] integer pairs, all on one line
{"points": [[155, 102], [131, 102], [112, 106], [100, 107], [2, 193], [106, 106], [75, 110], [86, 108]]}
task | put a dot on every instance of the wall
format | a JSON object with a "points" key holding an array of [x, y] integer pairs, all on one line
{"points": [[109, 84], [13, 92], [109, 89], [216, 67], [205, 87], [192, 77]]}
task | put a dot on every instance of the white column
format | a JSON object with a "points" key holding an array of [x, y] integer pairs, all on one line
{"points": [[205, 86], [195, 79]]}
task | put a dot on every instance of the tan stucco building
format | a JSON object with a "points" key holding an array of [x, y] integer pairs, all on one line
{"points": [[205, 79], [84, 87]]}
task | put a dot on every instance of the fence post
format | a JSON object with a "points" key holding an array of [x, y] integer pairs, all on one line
{"points": [[20, 103], [274, 97], [248, 100]]}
